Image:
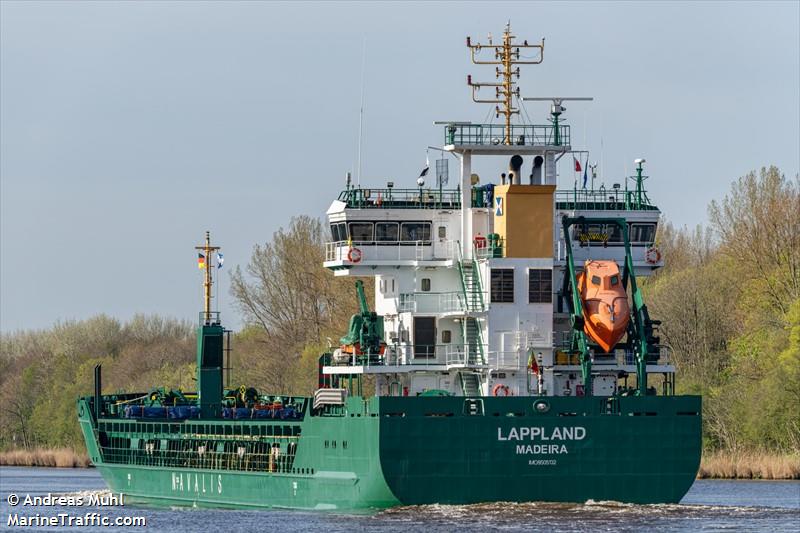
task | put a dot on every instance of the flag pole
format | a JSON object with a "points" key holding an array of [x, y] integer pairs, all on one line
{"points": [[207, 281]]}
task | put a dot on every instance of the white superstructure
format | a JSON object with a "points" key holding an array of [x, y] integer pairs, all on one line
{"points": [[470, 281]]}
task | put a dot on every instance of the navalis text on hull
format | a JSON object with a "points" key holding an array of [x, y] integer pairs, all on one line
{"points": [[512, 354]]}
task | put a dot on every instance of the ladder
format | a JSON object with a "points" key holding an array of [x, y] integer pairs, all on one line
{"points": [[471, 286], [470, 383], [473, 343]]}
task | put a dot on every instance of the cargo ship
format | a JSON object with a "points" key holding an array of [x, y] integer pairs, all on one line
{"points": [[510, 355]]}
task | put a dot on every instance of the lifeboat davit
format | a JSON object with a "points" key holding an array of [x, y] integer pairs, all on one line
{"points": [[605, 303]]}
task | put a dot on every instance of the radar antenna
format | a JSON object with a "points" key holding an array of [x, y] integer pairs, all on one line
{"points": [[506, 55], [556, 109]]}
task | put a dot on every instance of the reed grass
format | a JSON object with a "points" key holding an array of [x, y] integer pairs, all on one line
{"points": [[714, 465], [749, 465], [56, 457]]}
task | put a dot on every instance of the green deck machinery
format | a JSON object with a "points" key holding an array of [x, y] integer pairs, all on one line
{"points": [[365, 334]]}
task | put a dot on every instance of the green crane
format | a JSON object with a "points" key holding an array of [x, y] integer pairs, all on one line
{"points": [[365, 334]]}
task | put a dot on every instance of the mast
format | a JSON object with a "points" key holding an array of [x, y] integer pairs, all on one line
{"points": [[207, 279], [506, 55]]}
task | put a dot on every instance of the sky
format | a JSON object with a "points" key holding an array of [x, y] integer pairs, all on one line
{"points": [[128, 129]]}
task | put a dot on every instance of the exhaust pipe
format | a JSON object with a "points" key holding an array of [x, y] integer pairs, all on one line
{"points": [[514, 170]]}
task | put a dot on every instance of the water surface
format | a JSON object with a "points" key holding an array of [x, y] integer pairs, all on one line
{"points": [[711, 505]]}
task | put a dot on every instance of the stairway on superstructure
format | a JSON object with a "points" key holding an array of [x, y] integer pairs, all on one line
{"points": [[473, 303], [470, 383]]}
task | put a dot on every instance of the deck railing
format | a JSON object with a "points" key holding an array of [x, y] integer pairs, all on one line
{"points": [[602, 200], [431, 302], [391, 198], [275, 456], [494, 134], [393, 250]]}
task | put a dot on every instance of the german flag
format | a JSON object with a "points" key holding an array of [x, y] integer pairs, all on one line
{"points": [[201, 261]]}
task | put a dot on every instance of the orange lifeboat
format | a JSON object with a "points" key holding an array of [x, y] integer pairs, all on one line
{"points": [[605, 303]]}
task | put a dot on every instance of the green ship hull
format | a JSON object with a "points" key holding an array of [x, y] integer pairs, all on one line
{"points": [[382, 452]]}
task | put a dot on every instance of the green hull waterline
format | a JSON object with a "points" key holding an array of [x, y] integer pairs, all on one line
{"points": [[389, 451]]}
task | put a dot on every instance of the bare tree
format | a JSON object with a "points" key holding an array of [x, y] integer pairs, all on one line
{"points": [[290, 299]]}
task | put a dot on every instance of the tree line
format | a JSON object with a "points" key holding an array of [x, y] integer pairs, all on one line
{"points": [[728, 297]]}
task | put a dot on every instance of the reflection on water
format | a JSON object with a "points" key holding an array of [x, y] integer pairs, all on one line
{"points": [[709, 506]]}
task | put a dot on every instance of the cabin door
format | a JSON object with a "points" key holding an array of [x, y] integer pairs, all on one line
{"points": [[441, 239], [424, 337]]}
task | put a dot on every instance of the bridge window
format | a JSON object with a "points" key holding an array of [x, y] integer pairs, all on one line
{"points": [[339, 231], [502, 285], [540, 286], [643, 233], [415, 231], [614, 233], [387, 231], [361, 231]]}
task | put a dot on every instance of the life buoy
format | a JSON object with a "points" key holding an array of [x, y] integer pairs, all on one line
{"points": [[652, 255], [500, 387], [354, 255]]}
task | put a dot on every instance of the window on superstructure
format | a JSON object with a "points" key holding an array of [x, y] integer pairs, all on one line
{"points": [[447, 336], [442, 232], [387, 231], [540, 286], [643, 233], [426, 284], [502, 285], [614, 233], [339, 232], [415, 231], [361, 231]]}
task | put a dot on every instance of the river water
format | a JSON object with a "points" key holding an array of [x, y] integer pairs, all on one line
{"points": [[711, 505]]}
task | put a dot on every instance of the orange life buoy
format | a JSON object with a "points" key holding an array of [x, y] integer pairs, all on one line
{"points": [[500, 387], [652, 255], [354, 255]]}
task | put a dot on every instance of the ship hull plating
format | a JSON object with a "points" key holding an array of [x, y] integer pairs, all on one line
{"points": [[406, 451]]}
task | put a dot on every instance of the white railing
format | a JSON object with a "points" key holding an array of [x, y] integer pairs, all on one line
{"points": [[392, 251], [425, 355], [505, 359], [614, 251], [483, 252], [437, 302], [456, 354]]}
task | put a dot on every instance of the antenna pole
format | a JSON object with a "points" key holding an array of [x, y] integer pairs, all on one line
{"points": [[506, 55], [361, 110], [207, 279]]}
